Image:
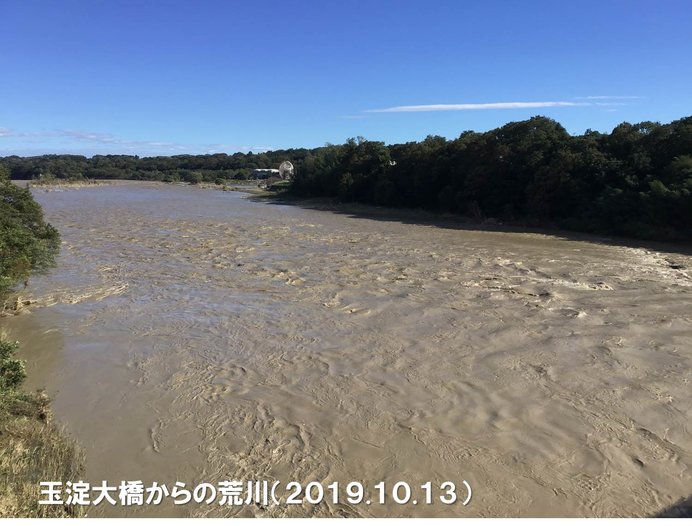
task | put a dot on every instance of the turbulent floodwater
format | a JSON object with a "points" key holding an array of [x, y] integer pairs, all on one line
{"points": [[193, 335]]}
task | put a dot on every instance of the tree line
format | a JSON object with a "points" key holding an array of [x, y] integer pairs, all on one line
{"points": [[176, 168], [635, 181]]}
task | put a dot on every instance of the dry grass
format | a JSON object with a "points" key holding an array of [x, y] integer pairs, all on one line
{"points": [[32, 450], [55, 182]]}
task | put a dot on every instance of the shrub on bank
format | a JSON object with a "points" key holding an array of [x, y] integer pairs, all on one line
{"points": [[27, 243], [32, 448]]}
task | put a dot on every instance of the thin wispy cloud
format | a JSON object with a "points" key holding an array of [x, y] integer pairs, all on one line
{"points": [[125, 145], [478, 106], [10, 133], [221, 148], [110, 139], [591, 100], [610, 97]]}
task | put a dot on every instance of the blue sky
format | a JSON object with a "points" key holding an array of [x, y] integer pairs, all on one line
{"points": [[159, 78]]}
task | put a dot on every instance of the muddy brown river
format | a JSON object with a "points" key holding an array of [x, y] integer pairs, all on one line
{"points": [[196, 335]]}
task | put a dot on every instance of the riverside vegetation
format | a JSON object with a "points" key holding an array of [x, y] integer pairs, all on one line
{"points": [[32, 448], [635, 181]]}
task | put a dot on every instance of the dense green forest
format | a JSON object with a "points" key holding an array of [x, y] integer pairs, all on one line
{"points": [[635, 181]]}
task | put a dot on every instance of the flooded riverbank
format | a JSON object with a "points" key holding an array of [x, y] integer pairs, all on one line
{"points": [[199, 336]]}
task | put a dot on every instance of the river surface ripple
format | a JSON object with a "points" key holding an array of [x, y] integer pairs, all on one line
{"points": [[196, 335]]}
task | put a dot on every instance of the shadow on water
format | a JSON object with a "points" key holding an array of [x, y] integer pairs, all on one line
{"points": [[680, 510], [453, 222]]}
